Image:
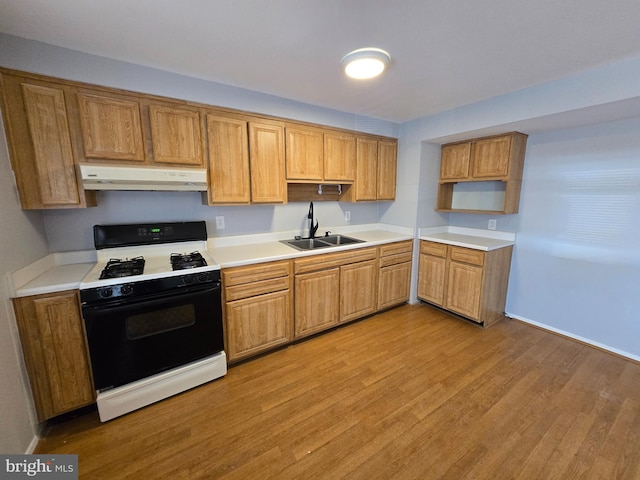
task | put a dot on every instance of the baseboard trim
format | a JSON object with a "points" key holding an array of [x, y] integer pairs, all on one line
{"points": [[32, 446], [586, 341]]}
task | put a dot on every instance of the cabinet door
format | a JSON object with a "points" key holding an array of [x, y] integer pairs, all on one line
{"points": [[387, 169], [257, 323], [317, 301], [176, 135], [111, 128], [266, 156], [305, 153], [394, 285], [431, 279], [491, 157], [54, 348], [454, 163], [357, 290], [49, 129], [339, 157], [228, 141], [464, 287], [366, 169]]}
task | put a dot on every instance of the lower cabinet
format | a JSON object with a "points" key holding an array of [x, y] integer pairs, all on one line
{"points": [[55, 352], [257, 308], [334, 288], [471, 283], [394, 277]]}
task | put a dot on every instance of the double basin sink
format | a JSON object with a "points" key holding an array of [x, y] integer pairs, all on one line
{"points": [[321, 242]]}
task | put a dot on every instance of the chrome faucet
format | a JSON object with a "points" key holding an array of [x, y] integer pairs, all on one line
{"points": [[312, 228]]}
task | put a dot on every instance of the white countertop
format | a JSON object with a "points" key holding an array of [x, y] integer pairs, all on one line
{"points": [[65, 270], [267, 248], [476, 239]]}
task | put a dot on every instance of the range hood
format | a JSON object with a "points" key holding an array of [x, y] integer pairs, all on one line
{"points": [[110, 177]]}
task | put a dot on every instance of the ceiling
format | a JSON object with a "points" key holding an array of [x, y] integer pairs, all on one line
{"points": [[445, 53]]}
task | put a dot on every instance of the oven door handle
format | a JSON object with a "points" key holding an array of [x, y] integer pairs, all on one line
{"points": [[128, 301]]}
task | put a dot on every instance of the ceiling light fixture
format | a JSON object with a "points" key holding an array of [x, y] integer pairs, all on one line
{"points": [[365, 63]]}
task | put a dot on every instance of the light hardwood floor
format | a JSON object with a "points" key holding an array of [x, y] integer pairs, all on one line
{"points": [[411, 393]]}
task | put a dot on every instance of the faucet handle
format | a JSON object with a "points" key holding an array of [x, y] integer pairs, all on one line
{"points": [[326, 234]]}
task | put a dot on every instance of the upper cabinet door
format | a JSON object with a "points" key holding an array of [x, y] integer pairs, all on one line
{"points": [[305, 152], [339, 157], [366, 169], [111, 128], [491, 157], [53, 155], [266, 157], [228, 141], [387, 169], [454, 164], [176, 135]]}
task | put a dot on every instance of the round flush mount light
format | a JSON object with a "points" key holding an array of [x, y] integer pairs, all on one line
{"points": [[365, 63]]}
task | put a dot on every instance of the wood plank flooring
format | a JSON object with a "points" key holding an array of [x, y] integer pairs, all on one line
{"points": [[411, 393]]}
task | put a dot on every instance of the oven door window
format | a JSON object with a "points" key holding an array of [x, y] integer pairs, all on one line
{"points": [[132, 340]]}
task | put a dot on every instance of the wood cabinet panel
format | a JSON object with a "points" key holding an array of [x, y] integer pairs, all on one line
{"points": [[258, 323], [305, 153], [55, 353], [357, 290], [394, 284], [255, 273], [176, 135], [339, 157], [229, 177], [317, 301], [329, 260], [464, 285], [455, 161], [431, 278], [366, 169], [49, 129], [491, 157], [433, 248], [466, 255], [266, 157], [387, 169], [111, 128]]}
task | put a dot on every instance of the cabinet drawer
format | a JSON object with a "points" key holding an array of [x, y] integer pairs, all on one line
{"points": [[396, 248], [467, 255], [395, 259], [255, 273], [433, 248], [252, 289], [330, 260]]}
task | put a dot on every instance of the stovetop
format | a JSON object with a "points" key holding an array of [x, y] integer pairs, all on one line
{"points": [[139, 263]]}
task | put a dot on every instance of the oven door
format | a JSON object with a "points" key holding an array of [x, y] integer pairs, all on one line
{"points": [[136, 338]]}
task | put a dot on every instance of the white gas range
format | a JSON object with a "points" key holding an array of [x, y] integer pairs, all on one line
{"points": [[153, 314]]}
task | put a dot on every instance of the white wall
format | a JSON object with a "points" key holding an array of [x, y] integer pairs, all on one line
{"points": [[22, 241], [576, 265]]}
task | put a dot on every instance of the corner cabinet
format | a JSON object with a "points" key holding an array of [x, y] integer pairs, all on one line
{"points": [[55, 352], [376, 169], [482, 175], [257, 308], [471, 283]]}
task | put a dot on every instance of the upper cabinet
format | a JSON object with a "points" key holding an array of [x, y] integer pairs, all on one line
{"points": [[376, 168], [54, 126], [482, 175], [111, 128], [39, 136]]}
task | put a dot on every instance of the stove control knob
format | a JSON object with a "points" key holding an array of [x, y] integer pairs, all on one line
{"points": [[202, 277], [188, 279], [106, 292], [126, 289]]}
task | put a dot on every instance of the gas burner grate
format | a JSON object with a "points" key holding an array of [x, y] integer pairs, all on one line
{"points": [[183, 261], [116, 268]]}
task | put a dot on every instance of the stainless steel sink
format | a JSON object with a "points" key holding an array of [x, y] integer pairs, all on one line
{"points": [[340, 240], [321, 242]]}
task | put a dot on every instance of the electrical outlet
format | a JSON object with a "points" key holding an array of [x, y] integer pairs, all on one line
{"points": [[347, 216], [220, 222], [492, 224]]}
